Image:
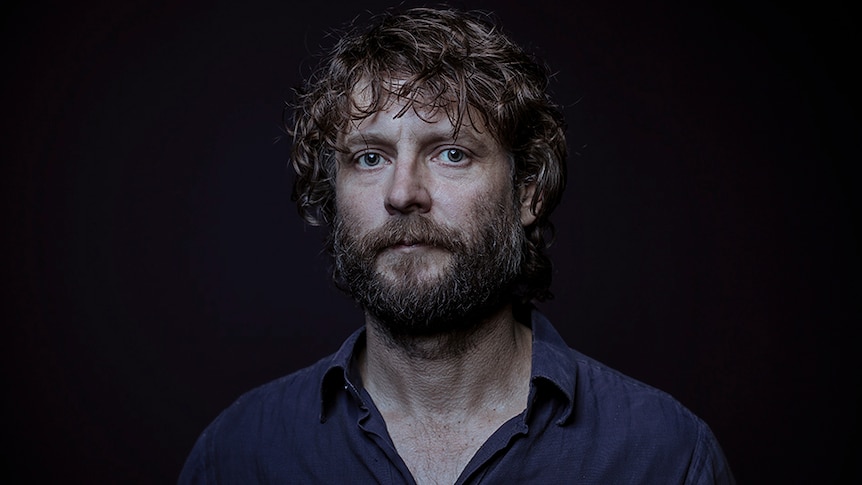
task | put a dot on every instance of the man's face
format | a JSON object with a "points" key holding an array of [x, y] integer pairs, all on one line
{"points": [[428, 232]]}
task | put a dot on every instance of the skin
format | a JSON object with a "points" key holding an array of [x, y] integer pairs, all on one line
{"points": [[439, 406]]}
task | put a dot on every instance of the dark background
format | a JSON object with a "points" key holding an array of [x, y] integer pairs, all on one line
{"points": [[154, 267]]}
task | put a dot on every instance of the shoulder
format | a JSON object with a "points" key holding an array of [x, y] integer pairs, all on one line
{"points": [[598, 393], [603, 392], [282, 412], [286, 393], [611, 423], [294, 397], [650, 425], [600, 388]]}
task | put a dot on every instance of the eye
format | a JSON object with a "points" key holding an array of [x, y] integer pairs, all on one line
{"points": [[453, 155], [370, 159]]}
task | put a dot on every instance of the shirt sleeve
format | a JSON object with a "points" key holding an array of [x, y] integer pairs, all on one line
{"points": [[709, 466], [194, 471]]}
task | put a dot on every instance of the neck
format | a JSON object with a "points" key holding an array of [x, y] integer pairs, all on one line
{"points": [[487, 367]]}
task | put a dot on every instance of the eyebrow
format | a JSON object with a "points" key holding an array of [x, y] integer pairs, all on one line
{"points": [[360, 138], [373, 137]]}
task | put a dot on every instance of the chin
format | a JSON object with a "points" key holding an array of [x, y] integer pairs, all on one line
{"points": [[408, 270]]}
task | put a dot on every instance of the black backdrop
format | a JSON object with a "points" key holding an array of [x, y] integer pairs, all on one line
{"points": [[154, 267]]}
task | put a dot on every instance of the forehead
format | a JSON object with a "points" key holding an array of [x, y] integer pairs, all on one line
{"points": [[378, 105]]}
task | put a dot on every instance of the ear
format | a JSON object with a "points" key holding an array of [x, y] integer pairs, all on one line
{"points": [[526, 197]]}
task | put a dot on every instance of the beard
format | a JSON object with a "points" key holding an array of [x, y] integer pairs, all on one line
{"points": [[406, 297]]}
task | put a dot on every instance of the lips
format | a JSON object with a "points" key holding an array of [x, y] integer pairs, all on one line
{"points": [[408, 243], [411, 234]]}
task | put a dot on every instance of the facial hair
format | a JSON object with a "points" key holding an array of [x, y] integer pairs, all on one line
{"points": [[484, 262]]}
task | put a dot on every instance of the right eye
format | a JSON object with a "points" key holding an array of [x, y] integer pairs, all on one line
{"points": [[370, 159]]}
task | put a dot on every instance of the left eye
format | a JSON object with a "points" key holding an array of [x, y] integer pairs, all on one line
{"points": [[369, 159], [453, 155]]}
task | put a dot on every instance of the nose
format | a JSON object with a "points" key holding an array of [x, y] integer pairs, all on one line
{"points": [[408, 190]]}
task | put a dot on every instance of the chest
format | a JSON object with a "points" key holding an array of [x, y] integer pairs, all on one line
{"points": [[438, 452]]}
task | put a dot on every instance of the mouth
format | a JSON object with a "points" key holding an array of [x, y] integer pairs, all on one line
{"points": [[408, 244]]}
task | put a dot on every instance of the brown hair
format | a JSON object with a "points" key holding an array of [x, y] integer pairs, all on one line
{"points": [[459, 62]]}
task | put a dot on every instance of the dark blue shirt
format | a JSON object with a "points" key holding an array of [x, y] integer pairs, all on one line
{"points": [[584, 423]]}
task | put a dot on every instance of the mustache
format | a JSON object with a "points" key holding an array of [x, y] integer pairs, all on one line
{"points": [[412, 230]]}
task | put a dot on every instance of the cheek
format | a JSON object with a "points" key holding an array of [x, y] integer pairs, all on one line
{"points": [[355, 206], [468, 205]]}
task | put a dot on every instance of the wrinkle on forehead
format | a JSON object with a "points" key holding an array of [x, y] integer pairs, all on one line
{"points": [[370, 98]]}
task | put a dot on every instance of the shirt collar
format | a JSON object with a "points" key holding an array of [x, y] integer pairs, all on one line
{"points": [[340, 372], [552, 363]]}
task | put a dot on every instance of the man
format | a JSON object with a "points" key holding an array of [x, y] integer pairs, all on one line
{"points": [[428, 143]]}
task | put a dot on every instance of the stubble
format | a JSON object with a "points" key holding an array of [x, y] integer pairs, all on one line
{"points": [[481, 266]]}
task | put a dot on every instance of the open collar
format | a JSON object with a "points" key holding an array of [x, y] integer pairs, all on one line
{"points": [[552, 363]]}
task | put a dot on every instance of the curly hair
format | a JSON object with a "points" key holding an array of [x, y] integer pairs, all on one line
{"points": [[459, 62]]}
